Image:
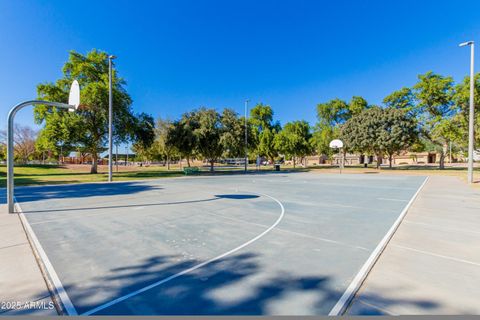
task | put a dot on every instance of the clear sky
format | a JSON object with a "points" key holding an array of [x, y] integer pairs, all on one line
{"points": [[179, 55]]}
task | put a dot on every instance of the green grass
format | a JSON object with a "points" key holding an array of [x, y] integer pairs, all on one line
{"points": [[49, 174], [53, 174]]}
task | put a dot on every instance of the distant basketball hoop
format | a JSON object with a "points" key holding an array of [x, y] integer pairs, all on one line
{"points": [[336, 144]]}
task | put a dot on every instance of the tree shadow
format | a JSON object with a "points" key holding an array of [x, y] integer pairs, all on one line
{"points": [[84, 190], [234, 285], [136, 205], [237, 196]]}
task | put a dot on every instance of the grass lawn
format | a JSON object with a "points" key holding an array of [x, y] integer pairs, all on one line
{"points": [[53, 174]]}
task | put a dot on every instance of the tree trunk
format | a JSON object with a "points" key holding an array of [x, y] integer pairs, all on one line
{"points": [[442, 156], [390, 159], [442, 161], [168, 162], [188, 162], [211, 165], [293, 158], [93, 168], [379, 160]]}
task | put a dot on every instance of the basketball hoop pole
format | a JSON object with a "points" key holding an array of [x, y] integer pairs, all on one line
{"points": [[110, 116], [246, 136], [10, 133]]}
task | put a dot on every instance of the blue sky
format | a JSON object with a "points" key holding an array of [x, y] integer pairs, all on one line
{"points": [[179, 55]]}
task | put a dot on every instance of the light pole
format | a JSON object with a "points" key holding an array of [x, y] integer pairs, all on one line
{"points": [[110, 116], [246, 135], [472, 111], [126, 158]]}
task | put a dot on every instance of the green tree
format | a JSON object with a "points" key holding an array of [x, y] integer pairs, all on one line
{"points": [[330, 117], [87, 128], [145, 132], [402, 99], [233, 134], [434, 94], [181, 136], [266, 145], [360, 133], [397, 132], [380, 131], [462, 100], [332, 113], [208, 135], [294, 140], [163, 150], [3, 145], [261, 116], [265, 130], [232, 137], [357, 105], [320, 141]]}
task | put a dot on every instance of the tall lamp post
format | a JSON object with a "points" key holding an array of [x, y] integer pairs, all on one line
{"points": [[246, 135], [110, 116], [472, 111]]}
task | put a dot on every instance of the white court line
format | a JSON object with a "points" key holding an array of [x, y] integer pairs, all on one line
{"points": [[438, 255], [52, 274], [200, 265], [357, 282]]}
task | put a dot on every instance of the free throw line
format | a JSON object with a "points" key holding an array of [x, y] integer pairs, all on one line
{"points": [[357, 282], [198, 266]]}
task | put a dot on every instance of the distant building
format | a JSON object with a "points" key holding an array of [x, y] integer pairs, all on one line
{"points": [[404, 158]]}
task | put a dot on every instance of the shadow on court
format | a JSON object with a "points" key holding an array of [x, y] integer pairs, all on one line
{"points": [[219, 288], [30, 194], [216, 197]]}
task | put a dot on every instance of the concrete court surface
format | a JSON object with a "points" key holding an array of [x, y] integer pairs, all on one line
{"points": [[267, 244], [21, 281], [432, 263]]}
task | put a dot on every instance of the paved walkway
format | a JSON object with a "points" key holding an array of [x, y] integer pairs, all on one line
{"points": [[22, 287], [432, 264]]}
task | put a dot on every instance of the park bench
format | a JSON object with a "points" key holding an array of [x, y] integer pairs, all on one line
{"points": [[190, 170]]}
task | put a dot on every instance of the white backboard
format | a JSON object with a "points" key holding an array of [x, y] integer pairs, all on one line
{"points": [[336, 144], [74, 96]]}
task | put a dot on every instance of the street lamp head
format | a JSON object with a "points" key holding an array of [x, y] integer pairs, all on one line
{"points": [[111, 57], [463, 44]]}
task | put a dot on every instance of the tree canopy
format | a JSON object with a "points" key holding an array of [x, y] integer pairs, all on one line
{"points": [[434, 94], [380, 131], [294, 140], [87, 128]]}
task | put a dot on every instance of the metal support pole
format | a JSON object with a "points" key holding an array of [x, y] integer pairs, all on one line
{"points": [[10, 147], [110, 115], [246, 136], [471, 116], [450, 152]]}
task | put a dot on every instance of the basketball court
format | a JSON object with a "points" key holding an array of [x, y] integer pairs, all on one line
{"points": [[255, 244]]}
